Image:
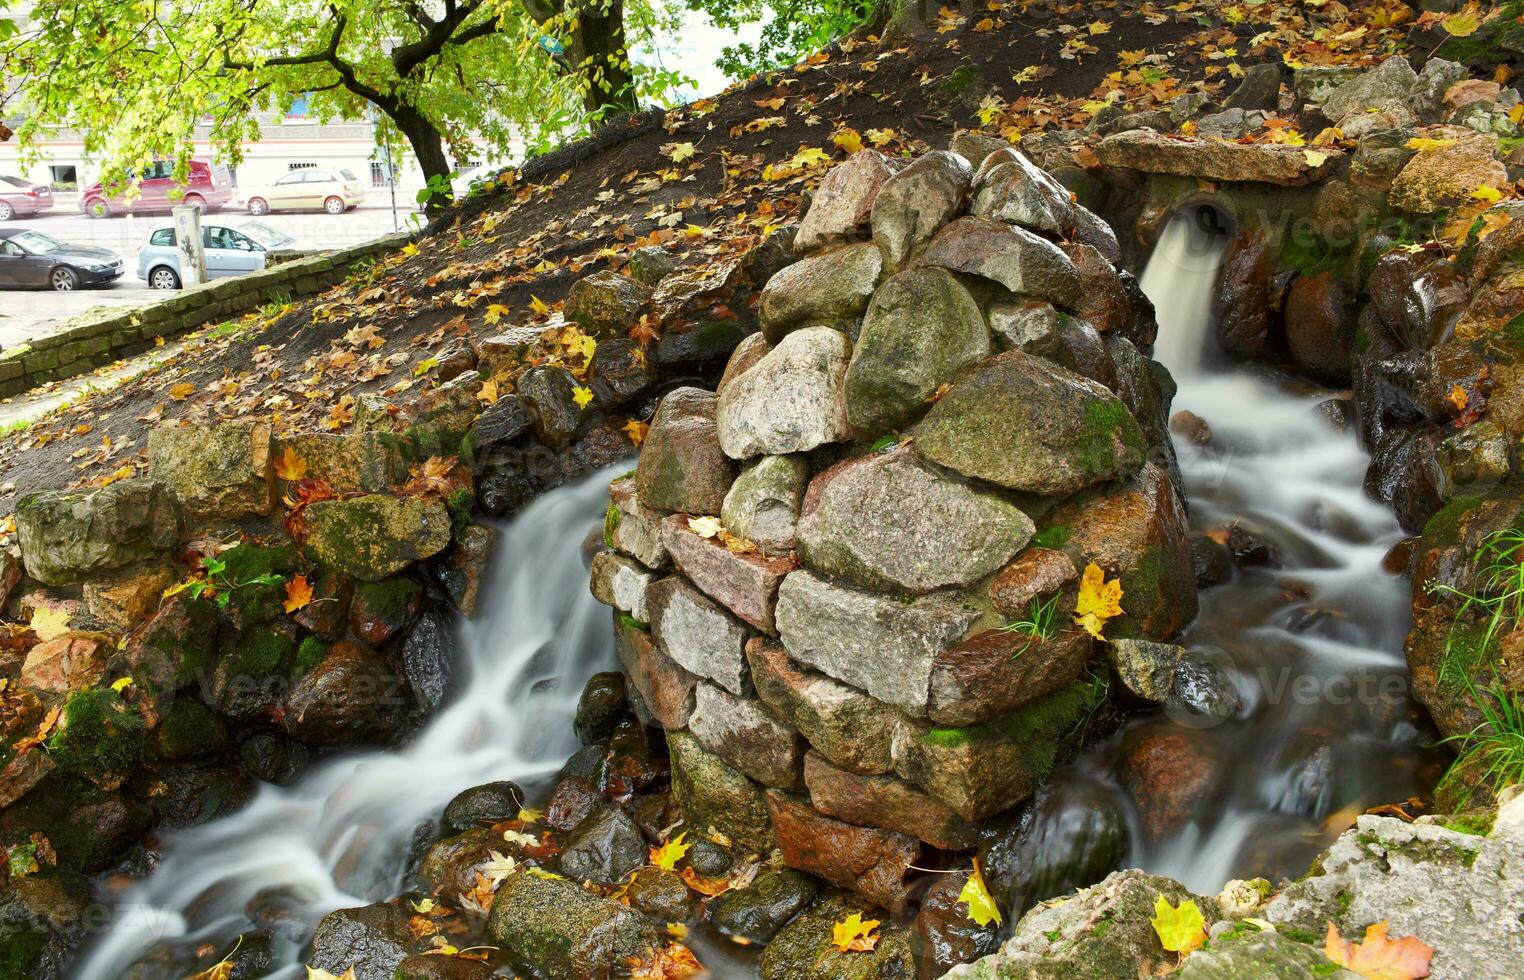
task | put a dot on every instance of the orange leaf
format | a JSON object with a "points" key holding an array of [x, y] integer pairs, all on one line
{"points": [[672, 962], [1380, 958], [182, 391], [298, 593], [636, 430], [289, 467]]}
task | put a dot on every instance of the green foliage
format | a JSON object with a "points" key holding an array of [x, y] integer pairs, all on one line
{"points": [[1055, 536], [1492, 753], [1499, 597], [100, 735], [796, 29], [1040, 624]]}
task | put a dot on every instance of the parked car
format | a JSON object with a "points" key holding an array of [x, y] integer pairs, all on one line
{"points": [[206, 186], [22, 198], [232, 248], [308, 189], [32, 260]]}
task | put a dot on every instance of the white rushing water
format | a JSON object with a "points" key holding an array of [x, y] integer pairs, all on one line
{"points": [[340, 836]]}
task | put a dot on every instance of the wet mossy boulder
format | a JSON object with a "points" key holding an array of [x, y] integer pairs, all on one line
{"points": [[661, 894], [189, 730], [376, 535], [89, 827], [1246, 953], [372, 940], [380, 610], [712, 793], [804, 947], [488, 803], [682, 467], [601, 707], [256, 574], [604, 848], [68, 535], [214, 472], [253, 674], [756, 913], [352, 697], [552, 928], [99, 736]]}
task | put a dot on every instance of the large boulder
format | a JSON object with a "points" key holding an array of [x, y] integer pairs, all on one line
{"points": [[660, 689], [829, 288], [349, 462], [1009, 255], [790, 401], [605, 848], [884, 801], [921, 331], [371, 940], [353, 695], [1023, 423], [214, 472], [1011, 188], [1265, 163], [67, 535], [804, 947], [377, 535], [843, 203], [1392, 81], [1445, 175], [682, 467], [605, 303], [763, 504], [848, 727], [698, 633], [715, 794], [555, 929], [870, 861], [744, 733], [878, 644], [888, 521], [916, 202]]}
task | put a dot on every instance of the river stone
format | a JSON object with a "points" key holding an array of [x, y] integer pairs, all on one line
{"points": [[651, 263], [556, 929], [714, 794], [1009, 255], [372, 940], [747, 353], [69, 662], [604, 848], [682, 467], [1251, 953], [1266, 163], [1025, 323], [1445, 176], [1137, 533], [450, 866], [881, 645], [843, 203], [1023, 423], [661, 691], [747, 735], [870, 861], [884, 801], [1101, 933], [621, 583], [661, 894], [698, 634], [349, 462], [67, 535], [756, 913], [831, 287], [790, 401], [488, 803], [550, 393], [431, 966], [619, 371], [945, 934], [501, 422], [804, 947], [606, 304], [1458, 892], [376, 535], [744, 583], [916, 202], [887, 521], [1103, 300], [631, 527], [1012, 188], [1392, 81], [921, 331], [763, 504], [352, 696], [993, 672], [214, 472], [1145, 668], [843, 724], [428, 659], [980, 770], [1034, 573]]}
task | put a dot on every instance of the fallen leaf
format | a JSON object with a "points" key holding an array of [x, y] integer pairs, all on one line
{"points": [[298, 593], [1380, 958], [1314, 158], [1485, 193], [494, 313], [853, 935], [636, 430], [49, 622], [218, 971], [678, 152], [1180, 929], [1099, 600], [1457, 397], [848, 139], [705, 527], [182, 391], [290, 467], [1422, 143], [538, 305], [671, 852], [981, 904], [671, 962], [582, 396]]}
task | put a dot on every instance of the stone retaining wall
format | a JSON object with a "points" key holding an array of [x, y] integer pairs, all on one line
{"points": [[101, 336]]}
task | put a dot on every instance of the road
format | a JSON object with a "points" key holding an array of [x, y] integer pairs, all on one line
{"points": [[28, 314]]}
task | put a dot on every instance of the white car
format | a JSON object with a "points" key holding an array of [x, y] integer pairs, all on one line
{"points": [[307, 189], [232, 248]]}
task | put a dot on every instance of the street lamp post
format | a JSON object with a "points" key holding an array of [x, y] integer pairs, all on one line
{"points": [[386, 150]]}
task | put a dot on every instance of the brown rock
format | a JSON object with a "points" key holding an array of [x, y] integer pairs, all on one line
{"points": [[867, 860], [747, 353], [997, 671], [214, 472], [22, 773], [352, 696], [66, 663], [573, 801], [1267, 163], [1034, 573], [606, 303], [350, 462], [130, 595], [1009, 255], [1168, 774], [745, 583], [1320, 325], [663, 689], [465, 566], [327, 614], [883, 801], [1102, 299], [747, 735], [381, 610], [1445, 176], [847, 726], [1470, 90], [946, 934], [1241, 308], [843, 203], [682, 467]]}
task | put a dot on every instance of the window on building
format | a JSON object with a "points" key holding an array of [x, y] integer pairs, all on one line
{"points": [[300, 110], [378, 175], [231, 176], [64, 177]]}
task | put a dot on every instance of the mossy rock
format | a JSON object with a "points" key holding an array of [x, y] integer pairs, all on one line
{"points": [[714, 794], [251, 569], [372, 537], [90, 828], [21, 953], [309, 653], [804, 947], [254, 673], [553, 928], [99, 736], [189, 730]]}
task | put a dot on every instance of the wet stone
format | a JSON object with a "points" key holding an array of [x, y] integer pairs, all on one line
{"points": [[604, 848], [574, 800], [489, 803], [661, 894], [759, 910]]}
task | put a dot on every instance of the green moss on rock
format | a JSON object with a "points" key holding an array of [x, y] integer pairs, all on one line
{"points": [[99, 736]]}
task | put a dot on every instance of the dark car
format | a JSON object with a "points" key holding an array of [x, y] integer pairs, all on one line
{"points": [[32, 260], [20, 198]]}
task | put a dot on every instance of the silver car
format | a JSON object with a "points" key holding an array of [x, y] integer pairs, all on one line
{"points": [[232, 248]]}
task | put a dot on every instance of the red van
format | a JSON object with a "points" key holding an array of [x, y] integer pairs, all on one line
{"points": [[208, 186]]}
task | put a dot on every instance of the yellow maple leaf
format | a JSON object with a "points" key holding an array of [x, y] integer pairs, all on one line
{"points": [[854, 934], [1099, 600], [222, 970], [981, 904], [495, 312], [848, 139], [583, 396], [1180, 929], [1098, 27], [636, 430], [881, 137], [1457, 397], [985, 26], [1314, 158], [290, 467], [121, 684], [298, 593], [182, 391], [538, 305], [1379, 958], [705, 527], [488, 394], [1424, 143], [678, 152], [667, 855], [1462, 23], [1491, 195], [49, 622]]}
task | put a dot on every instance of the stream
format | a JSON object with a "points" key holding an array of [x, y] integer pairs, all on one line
{"points": [[1304, 648]]}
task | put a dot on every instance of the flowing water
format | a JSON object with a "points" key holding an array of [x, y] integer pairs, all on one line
{"points": [[1308, 646]]}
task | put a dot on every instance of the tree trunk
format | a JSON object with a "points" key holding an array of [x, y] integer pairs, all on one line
{"points": [[599, 55], [428, 147]]}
